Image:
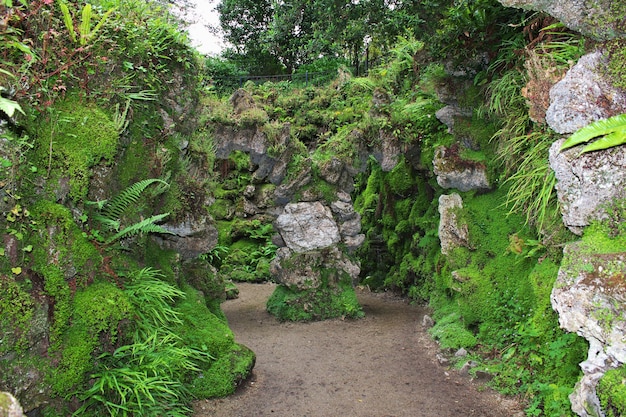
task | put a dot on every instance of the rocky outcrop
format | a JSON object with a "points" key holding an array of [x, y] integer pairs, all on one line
{"points": [[452, 232], [453, 171], [587, 183], [589, 295], [190, 237], [583, 96], [600, 19]]}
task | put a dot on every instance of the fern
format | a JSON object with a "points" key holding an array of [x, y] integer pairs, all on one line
{"points": [[145, 226], [612, 132], [112, 210]]}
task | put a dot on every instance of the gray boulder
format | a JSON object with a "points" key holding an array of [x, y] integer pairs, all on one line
{"points": [[586, 184], [589, 296], [583, 96], [452, 233], [307, 226], [600, 19], [301, 271]]}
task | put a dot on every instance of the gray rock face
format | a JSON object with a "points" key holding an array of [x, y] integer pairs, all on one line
{"points": [[583, 96], [452, 171], [586, 184], [9, 406], [589, 296], [191, 237], [601, 19], [307, 226], [448, 114], [452, 233]]}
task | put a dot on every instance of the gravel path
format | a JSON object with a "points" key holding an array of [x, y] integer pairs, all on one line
{"points": [[381, 366]]}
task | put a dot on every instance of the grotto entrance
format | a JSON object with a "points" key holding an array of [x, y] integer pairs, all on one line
{"points": [[381, 365]]}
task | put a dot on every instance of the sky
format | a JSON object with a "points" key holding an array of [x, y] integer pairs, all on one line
{"points": [[204, 13]]}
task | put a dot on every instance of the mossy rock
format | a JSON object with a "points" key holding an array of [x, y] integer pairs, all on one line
{"points": [[225, 374], [321, 303], [204, 330]]}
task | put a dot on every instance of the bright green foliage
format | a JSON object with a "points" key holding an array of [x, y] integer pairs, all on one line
{"points": [[451, 332], [110, 212], [73, 137], [612, 392], [612, 132]]}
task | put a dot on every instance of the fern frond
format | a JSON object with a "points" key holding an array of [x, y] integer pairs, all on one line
{"points": [[114, 208], [145, 226], [67, 19], [615, 124], [612, 139]]}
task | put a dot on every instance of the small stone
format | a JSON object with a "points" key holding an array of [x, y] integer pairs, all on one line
{"points": [[461, 353], [427, 321], [443, 361]]}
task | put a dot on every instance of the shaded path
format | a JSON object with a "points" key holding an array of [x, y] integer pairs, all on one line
{"points": [[381, 366]]}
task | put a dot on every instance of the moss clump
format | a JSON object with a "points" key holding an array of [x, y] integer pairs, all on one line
{"points": [[203, 330], [612, 392], [451, 332], [314, 304], [97, 311], [16, 312], [71, 138]]}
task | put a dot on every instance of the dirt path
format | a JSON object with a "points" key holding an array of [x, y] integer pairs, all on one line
{"points": [[381, 366]]}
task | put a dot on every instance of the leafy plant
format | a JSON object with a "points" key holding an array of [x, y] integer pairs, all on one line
{"points": [[86, 33], [611, 132], [111, 212]]}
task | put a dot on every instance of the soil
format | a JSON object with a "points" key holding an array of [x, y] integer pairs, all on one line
{"points": [[383, 365]]}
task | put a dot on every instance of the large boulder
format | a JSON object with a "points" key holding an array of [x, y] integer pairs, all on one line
{"points": [[307, 226], [600, 19], [587, 183], [583, 96], [589, 296]]}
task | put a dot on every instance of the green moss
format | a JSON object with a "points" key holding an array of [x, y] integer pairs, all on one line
{"points": [[71, 138], [400, 179], [132, 166], [16, 312], [612, 392], [97, 311]]}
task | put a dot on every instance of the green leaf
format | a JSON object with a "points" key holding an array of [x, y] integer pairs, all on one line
{"points": [[9, 106], [608, 141], [595, 129], [17, 270]]}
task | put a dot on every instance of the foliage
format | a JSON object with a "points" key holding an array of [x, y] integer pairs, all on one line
{"points": [[612, 132], [110, 213], [145, 377]]}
